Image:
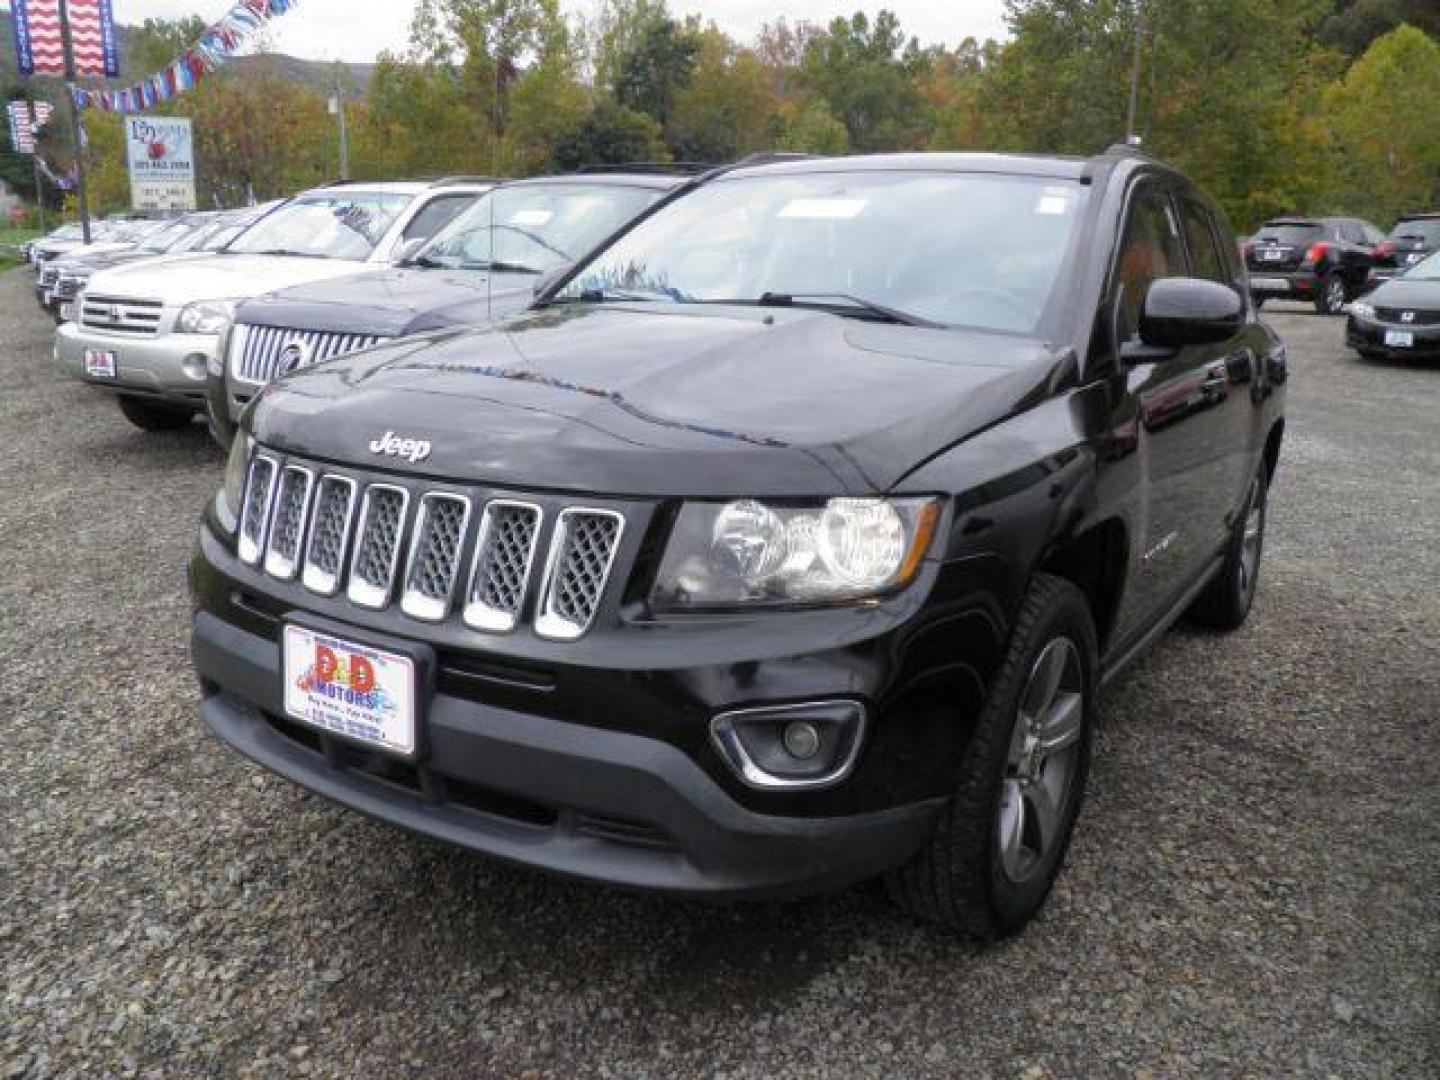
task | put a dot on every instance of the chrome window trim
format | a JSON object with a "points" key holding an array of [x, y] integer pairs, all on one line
{"points": [[478, 615], [359, 591], [249, 550], [276, 564], [412, 602], [312, 577], [549, 623]]}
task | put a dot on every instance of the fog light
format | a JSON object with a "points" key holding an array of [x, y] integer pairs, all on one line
{"points": [[802, 740], [810, 745], [194, 366]]}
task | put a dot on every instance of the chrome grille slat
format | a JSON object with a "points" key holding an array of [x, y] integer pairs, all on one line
{"points": [[255, 512], [256, 351], [121, 315], [287, 523], [504, 554], [581, 555], [439, 536], [377, 546], [329, 534]]}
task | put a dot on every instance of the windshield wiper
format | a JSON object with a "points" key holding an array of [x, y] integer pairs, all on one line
{"points": [[289, 251], [826, 301], [500, 267]]}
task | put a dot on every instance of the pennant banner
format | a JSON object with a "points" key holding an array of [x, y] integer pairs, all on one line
{"points": [[26, 118], [216, 46], [40, 41]]}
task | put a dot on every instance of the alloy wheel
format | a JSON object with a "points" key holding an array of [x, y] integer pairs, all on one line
{"points": [[1042, 765], [1334, 295], [1252, 539]]}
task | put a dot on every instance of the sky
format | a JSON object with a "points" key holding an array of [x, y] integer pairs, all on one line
{"points": [[357, 30]]}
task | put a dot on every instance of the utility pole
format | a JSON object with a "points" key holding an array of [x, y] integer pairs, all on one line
{"points": [[39, 188], [75, 120], [1132, 137], [337, 109]]}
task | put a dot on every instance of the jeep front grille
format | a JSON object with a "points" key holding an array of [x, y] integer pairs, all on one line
{"points": [[580, 556], [504, 553], [259, 354], [435, 556], [121, 316], [341, 534], [377, 551]]}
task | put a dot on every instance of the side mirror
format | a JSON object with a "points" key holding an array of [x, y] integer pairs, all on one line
{"points": [[1190, 311], [408, 250], [550, 277]]}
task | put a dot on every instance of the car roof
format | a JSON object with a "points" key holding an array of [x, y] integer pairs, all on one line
{"points": [[659, 181], [390, 187], [1059, 166], [1423, 215]]}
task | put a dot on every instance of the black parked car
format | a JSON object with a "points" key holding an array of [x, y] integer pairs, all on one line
{"points": [[785, 543], [1399, 320], [1324, 260], [482, 266], [1413, 239]]}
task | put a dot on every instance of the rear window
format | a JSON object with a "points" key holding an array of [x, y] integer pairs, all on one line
{"points": [[1289, 232], [1426, 229]]}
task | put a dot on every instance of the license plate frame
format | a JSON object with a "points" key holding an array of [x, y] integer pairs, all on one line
{"points": [[101, 364], [1400, 339], [338, 706], [1272, 255], [1265, 284]]}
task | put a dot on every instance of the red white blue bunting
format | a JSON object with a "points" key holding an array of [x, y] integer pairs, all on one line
{"points": [[216, 46]]}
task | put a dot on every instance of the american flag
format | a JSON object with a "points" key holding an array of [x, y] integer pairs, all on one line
{"points": [[22, 130], [40, 44]]}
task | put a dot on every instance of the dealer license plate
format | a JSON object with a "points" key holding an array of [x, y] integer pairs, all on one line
{"points": [[1400, 339], [100, 363], [1272, 256], [348, 689], [1414, 257], [1266, 284], [67, 312]]}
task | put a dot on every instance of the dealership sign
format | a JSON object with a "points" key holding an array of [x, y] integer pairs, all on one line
{"points": [[161, 155]]}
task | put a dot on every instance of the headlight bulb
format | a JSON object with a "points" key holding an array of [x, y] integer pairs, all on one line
{"points": [[862, 541], [749, 540]]}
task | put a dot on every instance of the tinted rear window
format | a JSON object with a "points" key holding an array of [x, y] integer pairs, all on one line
{"points": [[1290, 233], [1427, 229]]}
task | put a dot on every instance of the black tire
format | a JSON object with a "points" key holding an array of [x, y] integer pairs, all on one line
{"points": [[1226, 600], [957, 879], [1331, 293], [150, 415]]}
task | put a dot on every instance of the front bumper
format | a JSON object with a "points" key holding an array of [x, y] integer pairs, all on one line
{"points": [[1369, 338], [599, 805], [168, 366]]}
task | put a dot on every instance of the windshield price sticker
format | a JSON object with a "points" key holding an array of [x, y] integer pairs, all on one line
{"points": [[532, 217], [823, 209], [1054, 202]]}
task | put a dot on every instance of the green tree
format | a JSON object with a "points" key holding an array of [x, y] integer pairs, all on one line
{"points": [[610, 134], [658, 66], [814, 129], [727, 109], [1357, 23], [865, 72], [1382, 116]]}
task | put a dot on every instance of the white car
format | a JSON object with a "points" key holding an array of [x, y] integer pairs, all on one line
{"points": [[149, 331]]}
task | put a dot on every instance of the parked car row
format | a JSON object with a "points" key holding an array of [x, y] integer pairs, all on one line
{"points": [[751, 532], [1334, 260]]}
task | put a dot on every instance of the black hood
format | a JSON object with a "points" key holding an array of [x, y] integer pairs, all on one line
{"points": [[675, 401], [1412, 293], [392, 302]]}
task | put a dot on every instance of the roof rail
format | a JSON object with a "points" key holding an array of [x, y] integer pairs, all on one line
{"points": [[684, 168], [1121, 149], [771, 157], [445, 181]]}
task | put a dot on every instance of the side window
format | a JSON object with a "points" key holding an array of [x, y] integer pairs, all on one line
{"points": [[1372, 234], [1352, 232], [436, 214], [1151, 250], [1205, 260]]}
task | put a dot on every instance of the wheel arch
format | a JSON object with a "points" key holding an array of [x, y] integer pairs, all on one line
{"points": [[1094, 561], [1272, 447]]}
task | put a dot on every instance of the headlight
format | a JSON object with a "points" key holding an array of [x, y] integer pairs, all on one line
{"points": [[205, 317], [1361, 310], [232, 490], [746, 553]]}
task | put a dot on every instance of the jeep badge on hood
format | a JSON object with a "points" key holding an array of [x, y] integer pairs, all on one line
{"points": [[412, 450]]}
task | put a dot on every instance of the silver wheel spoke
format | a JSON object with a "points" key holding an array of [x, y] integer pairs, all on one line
{"points": [[1011, 829], [1061, 727], [1045, 680], [1041, 805]]}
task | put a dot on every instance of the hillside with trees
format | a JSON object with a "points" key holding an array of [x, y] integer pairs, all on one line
{"points": [[1311, 105]]}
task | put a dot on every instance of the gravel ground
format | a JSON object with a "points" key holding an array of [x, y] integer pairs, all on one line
{"points": [[1252, 890]]}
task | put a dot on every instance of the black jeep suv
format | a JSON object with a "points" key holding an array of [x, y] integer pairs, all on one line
{"points": [[786, 542], [1413, 239], [1324, 260]]}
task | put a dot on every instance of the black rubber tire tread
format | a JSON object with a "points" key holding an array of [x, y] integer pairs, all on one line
{"points": [[1219, 605], [155, 415], [1324, 287], [948, 882]]}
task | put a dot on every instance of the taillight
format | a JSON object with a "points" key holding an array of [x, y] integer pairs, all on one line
{"points": [[1317, 252]]}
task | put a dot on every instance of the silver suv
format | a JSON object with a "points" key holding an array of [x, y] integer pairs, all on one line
{"points": [[148, 332]]}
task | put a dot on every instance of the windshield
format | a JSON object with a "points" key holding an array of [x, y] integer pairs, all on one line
{"points": [[167, 236], [1423, 229], [534, 228], [1289, 233], [1425, 270], [342, 225], [944, 247]]}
